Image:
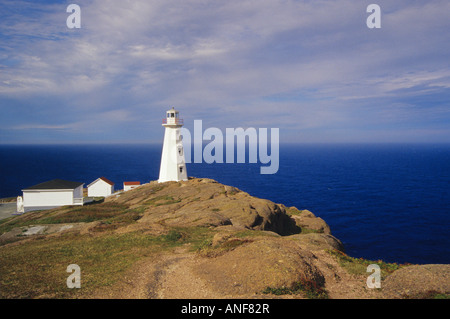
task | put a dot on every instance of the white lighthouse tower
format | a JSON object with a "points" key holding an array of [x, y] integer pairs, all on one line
{"points": [[173, 164]]}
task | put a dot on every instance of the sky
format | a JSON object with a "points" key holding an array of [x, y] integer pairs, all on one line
{"points": [[313, 69]]}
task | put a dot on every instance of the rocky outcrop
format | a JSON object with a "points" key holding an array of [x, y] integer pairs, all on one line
{"points": [[260, 263], [318, 241], [308, 221], [248, 247], [418, 281], [204, 202]]}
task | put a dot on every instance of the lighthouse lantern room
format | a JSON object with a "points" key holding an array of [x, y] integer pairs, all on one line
{"points": [[173, 164]]}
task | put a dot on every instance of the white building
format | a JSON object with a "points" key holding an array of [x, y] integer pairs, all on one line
{"points": [[101, 187], [51, 194], [130, 185], [173, 164]]}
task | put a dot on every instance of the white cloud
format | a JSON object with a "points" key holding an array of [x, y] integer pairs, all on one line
{"points": [[41, 127], [224, 59]]}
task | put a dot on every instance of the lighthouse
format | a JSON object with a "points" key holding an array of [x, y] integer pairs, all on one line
{"points": [[173, 164]]}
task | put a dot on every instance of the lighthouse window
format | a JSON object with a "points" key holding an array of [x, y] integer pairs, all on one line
{"points": [[172, 115], [181, 169]]}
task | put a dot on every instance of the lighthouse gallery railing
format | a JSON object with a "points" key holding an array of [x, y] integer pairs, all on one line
{"points": [[172, 121]]}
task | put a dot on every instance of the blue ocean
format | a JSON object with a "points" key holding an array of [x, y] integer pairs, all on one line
{"points": [[389, 202]]}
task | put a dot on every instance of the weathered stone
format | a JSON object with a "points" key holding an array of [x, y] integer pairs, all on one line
{"points": [[204, 202], [308, 220], [254, 266], [418, 281], [318, 241]]}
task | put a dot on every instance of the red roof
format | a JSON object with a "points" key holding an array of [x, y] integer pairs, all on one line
{"points": [[107, 180], [131, 183]]}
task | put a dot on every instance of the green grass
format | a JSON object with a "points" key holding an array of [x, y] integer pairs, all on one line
{"points": [[358, 266], [88, 213], [124, 218], [173, 236], [228, 245], [197, 237], [439, 296], [205, 248], [305, 287], [111, 216], [38, 268], [156, 188], [162, 200], [10, 223], [8, 200], [66, 214], [293, 211]]}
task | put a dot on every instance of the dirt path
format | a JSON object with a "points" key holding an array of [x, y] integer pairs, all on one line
{"points": [[339, 283], [173, 276], [177, 280], [167, 276]]}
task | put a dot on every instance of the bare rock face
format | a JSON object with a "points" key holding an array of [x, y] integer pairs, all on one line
{"points": [[308, 220], [237, 266], [318, 241], [204, 202], [256, 265], [418, 281]]}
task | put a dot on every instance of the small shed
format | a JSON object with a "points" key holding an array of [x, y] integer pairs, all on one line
{"points": [[130, 185], [51, 194], [101, 187]]}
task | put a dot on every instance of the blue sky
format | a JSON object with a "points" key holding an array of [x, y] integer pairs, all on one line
{"points": [[311, 68]]}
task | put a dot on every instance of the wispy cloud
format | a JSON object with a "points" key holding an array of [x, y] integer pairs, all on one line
{"points": [[41, 127], [294, 64]]}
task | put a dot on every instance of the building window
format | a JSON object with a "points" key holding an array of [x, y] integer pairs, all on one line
{"points": [[181, 169]]}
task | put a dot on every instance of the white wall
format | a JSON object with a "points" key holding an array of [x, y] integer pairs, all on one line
{"points": [[128, 187], [48, 198], [100, 188], [78, 192], [171, 158]]}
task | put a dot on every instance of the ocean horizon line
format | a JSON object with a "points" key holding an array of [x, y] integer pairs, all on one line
{"points": [[159, 143]]}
